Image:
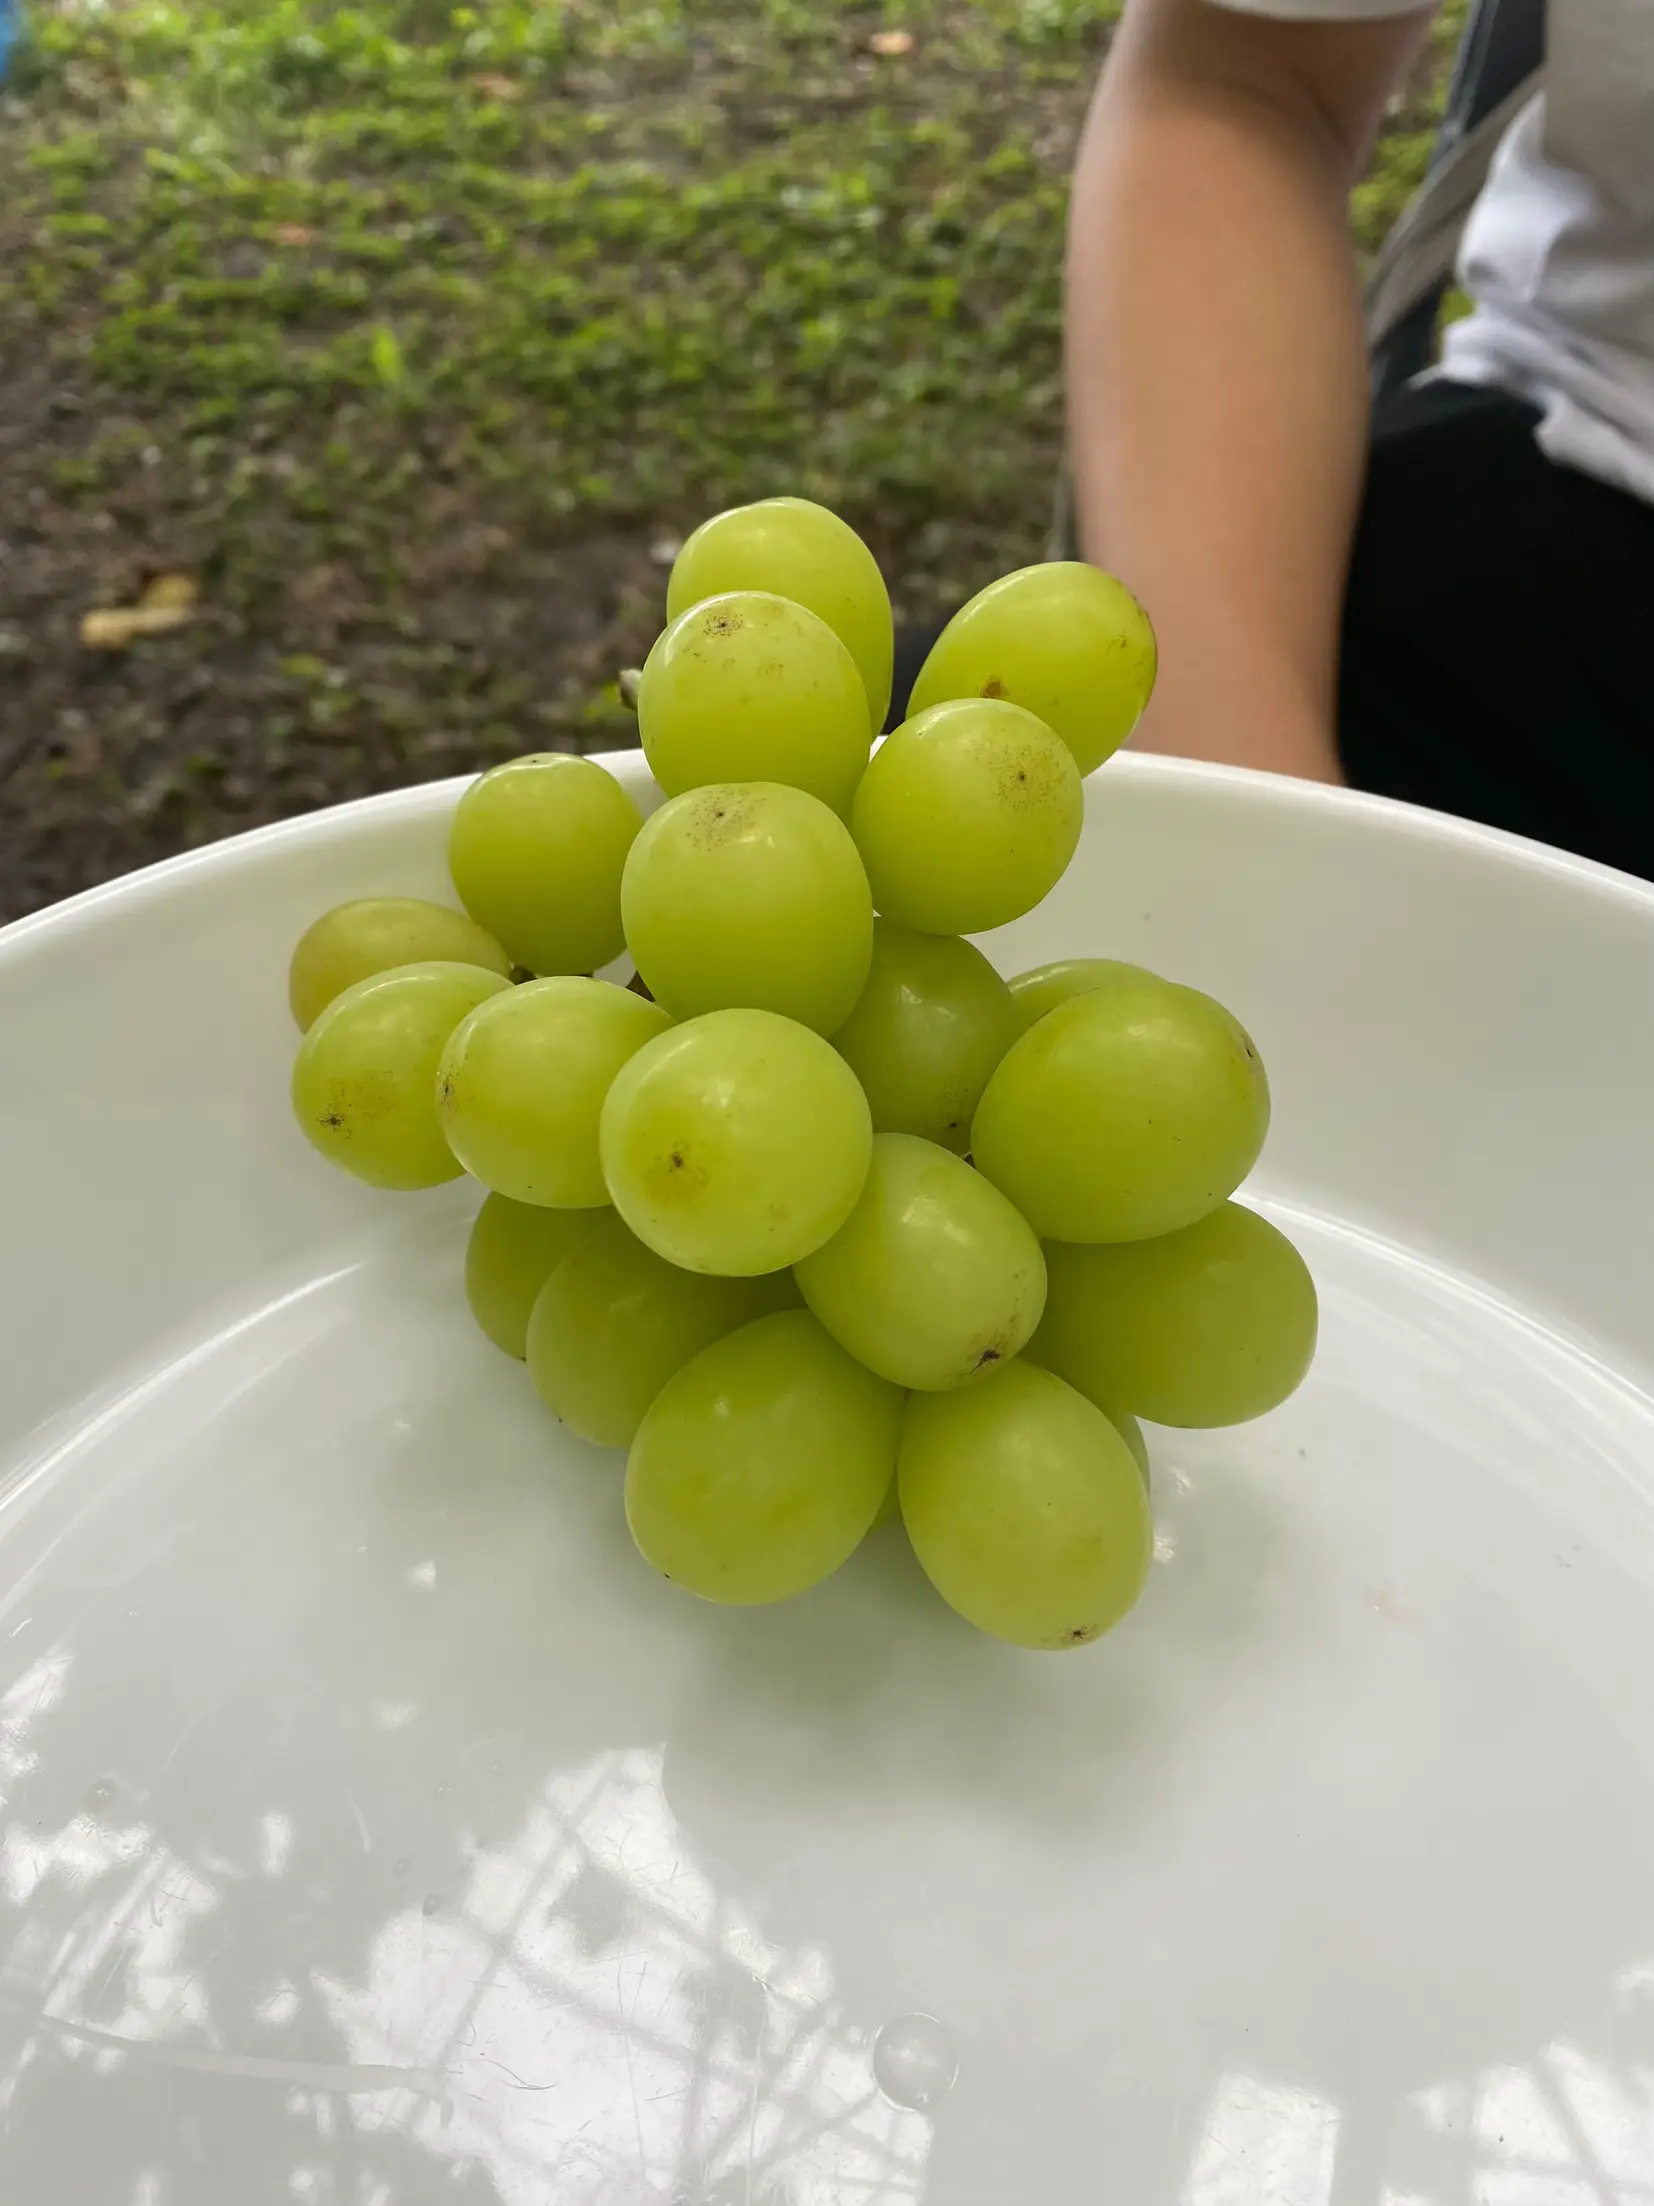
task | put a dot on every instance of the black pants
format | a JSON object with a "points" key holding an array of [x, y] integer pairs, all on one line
{"points": [[1498, 642]]}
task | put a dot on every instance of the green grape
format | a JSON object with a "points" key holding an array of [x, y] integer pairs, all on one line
{"points": [[520, 1087], [364, 1084], [1123, 1114], [513, 1249], [1063, 639], [536, 851], [933, 1277], [966, 817], [749, 895], [614, 1321], [1210, 1325], [805, 553], [928, 1029], [736, 1143], [751, 687], [354, 941], [762, 1464], [1041, 990], [1025, 1507], [1131, 1432]]}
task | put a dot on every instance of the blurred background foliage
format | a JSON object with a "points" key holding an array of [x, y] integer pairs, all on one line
{"points": [[419, 334]]}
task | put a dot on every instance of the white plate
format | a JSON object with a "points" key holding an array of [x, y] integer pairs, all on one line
{"points": [[378, 1830]]}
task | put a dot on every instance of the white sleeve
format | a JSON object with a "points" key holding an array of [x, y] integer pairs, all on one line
{"points": [[1327, 11]]}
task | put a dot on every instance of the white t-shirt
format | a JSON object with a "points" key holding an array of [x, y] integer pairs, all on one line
{"points": [[1558, 256]]}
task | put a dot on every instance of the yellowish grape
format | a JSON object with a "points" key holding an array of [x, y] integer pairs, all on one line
{"points": [[614, 1321], [354, 941], [364, 1084], [933, 1277], [751, 687], [1208, 1326], [966, 817], [521, 1083], [1123, 1113], [513, 1250], [1065, 640], [1025, 1507], [931, 1024], [749, 895], [803, 552], [1041, 990], [736, 1143], [536, 851], [762, 1464]]}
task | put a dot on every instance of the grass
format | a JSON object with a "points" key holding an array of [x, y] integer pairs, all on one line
{"points": [[422, 331]]}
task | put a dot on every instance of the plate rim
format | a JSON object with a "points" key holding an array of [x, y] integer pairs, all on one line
{"points": [[1325, 802]]}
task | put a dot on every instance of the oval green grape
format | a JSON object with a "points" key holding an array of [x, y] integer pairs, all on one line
{"points": [[613, 1321], [521, 1083], [751, 687], [929, 1027], [1211, 1325], [737, 1143], [364, 1083], [966, 817], [513, 1250], [354, 941], [804, 552], [933, 1278], [1025, 1507], [1063, 639], [536, 850], [1124, 1113], [1040, 990], [749, 895], [762, 1464]]}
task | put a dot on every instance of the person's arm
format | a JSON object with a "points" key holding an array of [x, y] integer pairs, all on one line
{"points": [[1217, 373]]}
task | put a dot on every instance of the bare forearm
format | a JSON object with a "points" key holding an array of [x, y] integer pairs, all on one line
{"points": [[1218, 396]]}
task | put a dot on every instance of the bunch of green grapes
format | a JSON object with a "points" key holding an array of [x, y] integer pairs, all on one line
{"points": [[806, 1207]]}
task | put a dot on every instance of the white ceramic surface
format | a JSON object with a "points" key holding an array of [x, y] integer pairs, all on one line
{"points": [[377, 1831]]}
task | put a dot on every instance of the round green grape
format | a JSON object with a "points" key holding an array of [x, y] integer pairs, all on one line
{"points": [[1211, 1325], [1025, 1507], [614, 1321], [933, 1278], [1065, 640], [749, 895], [352, 942], [512, 1252], [762, 1465], [737, 1143], [364, 1084], [751, 687], [966, 817], [928, 1029], [536, 851], [1123, 1114], [1041, 990], [804, 552], [521, 1083]]}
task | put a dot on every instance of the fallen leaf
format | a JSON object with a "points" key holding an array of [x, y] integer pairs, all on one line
{"points": [[118, 626], [496, 87], [172, 590], [890, 45], [293, 233]]}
